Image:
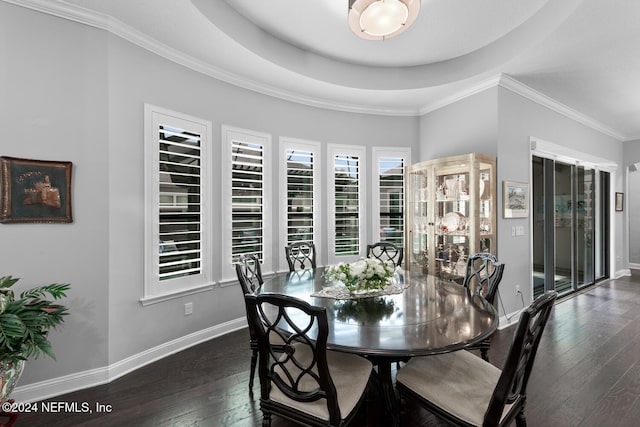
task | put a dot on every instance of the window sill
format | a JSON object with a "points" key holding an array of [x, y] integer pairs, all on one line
{"points": [[154, 299]]}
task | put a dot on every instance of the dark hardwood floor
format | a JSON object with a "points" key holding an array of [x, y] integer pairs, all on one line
{"points": [[587, 373]]}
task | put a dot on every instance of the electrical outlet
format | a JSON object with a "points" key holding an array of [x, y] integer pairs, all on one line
{"points": [[188, 308], [517, 289]]}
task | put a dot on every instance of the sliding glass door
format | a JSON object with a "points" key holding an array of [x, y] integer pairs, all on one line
{"points": [[570, 221], [585, 255], [564, 250]]}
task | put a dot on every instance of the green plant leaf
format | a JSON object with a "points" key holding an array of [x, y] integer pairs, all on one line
{"points": [[7, 281], [25, 322]]}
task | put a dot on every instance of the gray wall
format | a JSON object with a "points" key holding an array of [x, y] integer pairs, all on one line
{"points": [[54, 92], [71, 92], [136, 77], [501, 122], [632, 207], [520, 119], [467, 126], [632, 200]]}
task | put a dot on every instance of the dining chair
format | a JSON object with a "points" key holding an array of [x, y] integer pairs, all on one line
{"points": [[305, 382], [300, 255], [466, 390], [386, 251], [482, 277], [249, 274]]}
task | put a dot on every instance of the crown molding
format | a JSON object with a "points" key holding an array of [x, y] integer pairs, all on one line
{"points": [[65, 11], [470, 90], [118, 28], [521, 89], [508, 82]]}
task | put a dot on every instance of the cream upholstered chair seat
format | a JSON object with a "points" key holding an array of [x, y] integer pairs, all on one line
{"points": [[466, 390], [303, 381], [460, 383], [350, 374]]}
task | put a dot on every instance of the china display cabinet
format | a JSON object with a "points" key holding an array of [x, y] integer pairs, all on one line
{"points": [[451, 213]]}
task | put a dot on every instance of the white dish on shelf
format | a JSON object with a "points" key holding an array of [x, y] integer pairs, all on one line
{"points": [[453, 221]]}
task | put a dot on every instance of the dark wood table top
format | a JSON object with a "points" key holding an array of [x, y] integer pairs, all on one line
{"points": [[431, 316]]}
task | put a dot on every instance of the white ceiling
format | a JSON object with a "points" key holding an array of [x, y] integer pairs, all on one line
{"points": [[583, 54]]}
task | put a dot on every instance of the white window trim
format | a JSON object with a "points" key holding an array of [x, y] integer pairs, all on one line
{"points": [[155, 290], [230, 133], [376, 154], [316, 148], [360, 152]]}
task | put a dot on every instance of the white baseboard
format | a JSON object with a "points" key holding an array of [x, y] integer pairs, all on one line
{"points": [[634, 265], [69, 383], [623, 272], [512, 319]]}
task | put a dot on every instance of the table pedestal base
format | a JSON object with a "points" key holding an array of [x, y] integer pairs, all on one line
{"points": [[388, 391], [391, 401]]}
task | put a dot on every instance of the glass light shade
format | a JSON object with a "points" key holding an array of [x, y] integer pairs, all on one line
{"points": [[381, 19], [384, 17]]}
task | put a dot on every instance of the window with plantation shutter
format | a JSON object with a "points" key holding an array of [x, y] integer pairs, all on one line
{"points": [[299, 180], [388, 193], [346, 190], [247, 178], [180, 210], [299, 196], [247, 194], [176, 188]]}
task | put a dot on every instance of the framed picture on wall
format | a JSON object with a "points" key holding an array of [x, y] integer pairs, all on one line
{"points": [[515, 199], [34, 191], [619, 202]]}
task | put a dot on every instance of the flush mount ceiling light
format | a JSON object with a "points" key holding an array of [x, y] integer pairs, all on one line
{"points": [[381, 19]]}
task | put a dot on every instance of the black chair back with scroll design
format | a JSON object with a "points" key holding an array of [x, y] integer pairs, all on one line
{"points": [[303, 381], [468, 391], [386, 251], [482, 277], [512, 386], [300, 255], [249, 274]]}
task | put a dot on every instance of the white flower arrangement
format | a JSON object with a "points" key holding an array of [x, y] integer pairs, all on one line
{"points": [[366, 274]]}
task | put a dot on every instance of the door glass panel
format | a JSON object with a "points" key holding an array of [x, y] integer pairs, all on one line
{"points": [[602, 225], [563, 224], [538, 226], [584, 226]]}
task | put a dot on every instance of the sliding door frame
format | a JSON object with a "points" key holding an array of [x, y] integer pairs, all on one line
{"points": [[550, 153]]}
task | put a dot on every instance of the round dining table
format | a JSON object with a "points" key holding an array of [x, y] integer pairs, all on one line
{"points": [[429, 316]]}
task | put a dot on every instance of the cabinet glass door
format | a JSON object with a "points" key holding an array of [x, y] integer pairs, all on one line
{"points": [[418, 195], [485, 202], [452, 224]]}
